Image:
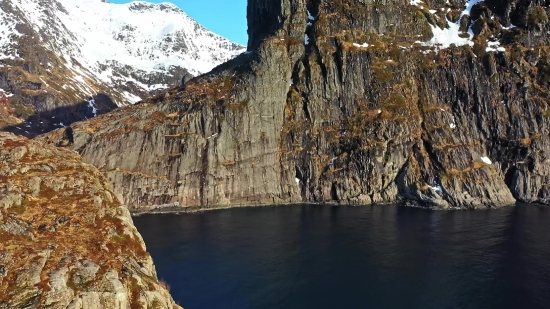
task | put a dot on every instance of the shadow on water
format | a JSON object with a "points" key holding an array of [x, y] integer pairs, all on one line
{"points": [[60, 117], [312, 256]]}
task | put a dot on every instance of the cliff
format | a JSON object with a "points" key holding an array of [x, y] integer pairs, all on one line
{"points": [[441, 104], [65, 241]]}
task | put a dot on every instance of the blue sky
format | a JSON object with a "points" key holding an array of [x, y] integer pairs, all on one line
{"points": [[224, 17]]}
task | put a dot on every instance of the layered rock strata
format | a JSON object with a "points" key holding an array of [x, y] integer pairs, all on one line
{"points": [[439, 104], [65, 241]]}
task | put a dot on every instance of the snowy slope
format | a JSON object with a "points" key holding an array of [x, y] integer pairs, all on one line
{"points": [[135, 48]]}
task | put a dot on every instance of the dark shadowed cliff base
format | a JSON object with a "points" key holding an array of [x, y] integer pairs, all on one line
{"points": [[348, 102]]}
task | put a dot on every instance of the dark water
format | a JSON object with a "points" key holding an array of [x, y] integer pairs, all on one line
{"points": [[353, 257]]}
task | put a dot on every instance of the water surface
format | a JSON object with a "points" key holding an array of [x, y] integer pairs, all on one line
{"points": [[353, 257]]}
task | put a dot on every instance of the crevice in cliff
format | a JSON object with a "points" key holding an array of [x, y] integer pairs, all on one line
{"points": [[510, 179], [300, 181], [323, 67], [306, 110], [337, 57], [311, 49], [334, 192], [531, 165], [296, 78], [313, 10], [204, 173], [203, 125], [431, 154]]}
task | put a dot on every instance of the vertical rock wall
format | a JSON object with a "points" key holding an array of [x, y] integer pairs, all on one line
{"points": [[344, 101]]}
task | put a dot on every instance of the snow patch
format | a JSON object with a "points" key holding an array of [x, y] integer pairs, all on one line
{"points": [[444, 38], [306, 39], [141, 35], [91, 104], [494, 46], [309, 16], [5, 94], [486, 160], [364, 45], [132, 98], [8, 34]]}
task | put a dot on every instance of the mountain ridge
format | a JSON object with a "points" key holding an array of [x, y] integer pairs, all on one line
{"points": [[60, 53]]}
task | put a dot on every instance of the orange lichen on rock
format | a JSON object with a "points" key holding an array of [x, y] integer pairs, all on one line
{"points": [[64, 238]]}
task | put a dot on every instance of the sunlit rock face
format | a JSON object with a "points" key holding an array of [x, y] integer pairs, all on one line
{"points": [[66, 242], [70, 60], [439, 104]]}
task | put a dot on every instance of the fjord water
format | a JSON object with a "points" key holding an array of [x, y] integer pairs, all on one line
{"points": [[353, 257]]}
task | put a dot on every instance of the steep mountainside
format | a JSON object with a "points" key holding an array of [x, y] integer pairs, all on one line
{"points": [[65, 242], [437, 103], [77, 58]]}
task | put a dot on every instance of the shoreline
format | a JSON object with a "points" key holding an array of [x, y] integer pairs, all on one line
{"points": [[162, 210], [179, 210]]}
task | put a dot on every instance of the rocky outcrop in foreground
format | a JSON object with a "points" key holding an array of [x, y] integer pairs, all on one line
{"points": [[438, 103], [65, 241]]}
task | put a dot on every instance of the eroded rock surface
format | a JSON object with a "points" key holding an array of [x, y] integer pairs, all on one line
{"points": [[347, 101], [65, 241]]}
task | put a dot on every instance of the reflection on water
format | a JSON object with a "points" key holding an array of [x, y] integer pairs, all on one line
{"points": [[356, 257]]}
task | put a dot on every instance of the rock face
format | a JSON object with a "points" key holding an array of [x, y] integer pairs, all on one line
{"points": [[70, 60], [440, 104], [65, 241]]}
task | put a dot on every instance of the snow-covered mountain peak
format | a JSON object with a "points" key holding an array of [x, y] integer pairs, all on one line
{"points": [[114, 43], [143, 6], [144, 35], [56, 54]]}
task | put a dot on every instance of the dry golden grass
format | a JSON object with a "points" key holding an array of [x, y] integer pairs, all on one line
{"points": [[85, 234], [461, 174]]}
